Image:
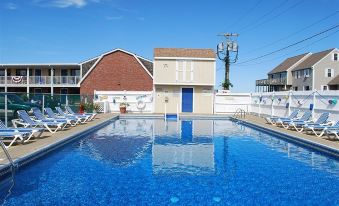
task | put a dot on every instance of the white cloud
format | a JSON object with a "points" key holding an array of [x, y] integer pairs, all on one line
{"points": [[11, 6], [114, 17], [64, 3], [69, 3]]}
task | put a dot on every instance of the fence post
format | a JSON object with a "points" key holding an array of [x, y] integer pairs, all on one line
{"points": [[6, 110], [314, 100], [249, 109], [43, 103], [260, 99], [66, 100], [272, 106], [289, 102]]}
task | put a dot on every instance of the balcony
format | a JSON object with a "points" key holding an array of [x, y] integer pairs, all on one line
{"points": [[39, 81], [268, 82]]}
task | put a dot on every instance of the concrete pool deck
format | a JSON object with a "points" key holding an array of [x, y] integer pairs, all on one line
{"points": [[331, 142], [19, 151]]}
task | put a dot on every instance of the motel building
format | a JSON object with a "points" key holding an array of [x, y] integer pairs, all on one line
{"points": [[184, 80], [113, 71], [52, 78]]}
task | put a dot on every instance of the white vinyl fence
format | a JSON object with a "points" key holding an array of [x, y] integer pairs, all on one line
{"points": [[282, 103], [225, 103], [279, 103], [138, 101]]}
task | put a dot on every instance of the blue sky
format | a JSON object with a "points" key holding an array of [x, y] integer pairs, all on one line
{"points": [[43, 31]]}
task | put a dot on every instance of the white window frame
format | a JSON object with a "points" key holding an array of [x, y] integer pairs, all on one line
{"points": [[337, 54], [298, 74], [307, 73], [329, 70]]}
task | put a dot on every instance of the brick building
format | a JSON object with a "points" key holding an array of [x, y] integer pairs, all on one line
{"points": [[117, 70]]}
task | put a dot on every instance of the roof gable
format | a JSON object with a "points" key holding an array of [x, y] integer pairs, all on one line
{"points": [[313, 59], [334, 81], [138, 58], [184, 52], [288, 63]]}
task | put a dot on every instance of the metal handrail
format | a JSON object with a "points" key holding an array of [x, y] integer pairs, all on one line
{"points": [[240, 112], [7, 154]]}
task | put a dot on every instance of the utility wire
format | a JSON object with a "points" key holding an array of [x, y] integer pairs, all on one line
{"points": [[273, 17], [296, 43], [263, 16], [251, 9], [272, 59], [294, 33]]}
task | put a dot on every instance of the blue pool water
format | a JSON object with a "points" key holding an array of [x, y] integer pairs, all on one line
{"points": [[199, 162]]}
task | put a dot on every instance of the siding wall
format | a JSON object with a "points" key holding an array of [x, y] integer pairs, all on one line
{"points": [[326, 63], [202, 99], [165, 72]]}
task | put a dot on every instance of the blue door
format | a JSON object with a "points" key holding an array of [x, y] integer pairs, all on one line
{"points": [[187, 100]]}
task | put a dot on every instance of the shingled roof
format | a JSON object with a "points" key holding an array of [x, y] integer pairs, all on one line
{"points": [[180, 52], [147, 64], [288, 63], [334, 81], [312, 60]]}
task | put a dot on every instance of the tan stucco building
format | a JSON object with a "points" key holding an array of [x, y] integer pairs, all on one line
{"points": [[184, 80]]}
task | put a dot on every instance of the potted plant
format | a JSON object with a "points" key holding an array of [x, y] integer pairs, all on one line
{"points": [[123, 107], [96, 107]]}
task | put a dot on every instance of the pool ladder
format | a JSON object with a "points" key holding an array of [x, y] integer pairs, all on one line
{"points": [[3, 146], [239, 113]]}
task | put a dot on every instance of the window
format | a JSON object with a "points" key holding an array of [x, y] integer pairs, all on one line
{"points": [[306, 73], [21, 72], [335, 57], [64, 72], [295, 88], [306, 88], [2, 72], [37, 72], [298, 74], [324, 87], [75, 72], [329, 72]]}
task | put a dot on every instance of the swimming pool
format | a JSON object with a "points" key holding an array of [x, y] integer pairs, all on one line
{"points": [[190, 162]]}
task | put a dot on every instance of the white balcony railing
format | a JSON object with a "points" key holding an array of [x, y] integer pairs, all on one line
{"points": [[40, 80]]}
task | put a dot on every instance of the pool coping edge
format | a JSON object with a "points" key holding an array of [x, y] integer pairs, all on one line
{"points": [[299, 140], [26, 159]]}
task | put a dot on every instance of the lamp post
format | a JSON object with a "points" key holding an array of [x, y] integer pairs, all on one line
{"points": [[223, 51]]}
